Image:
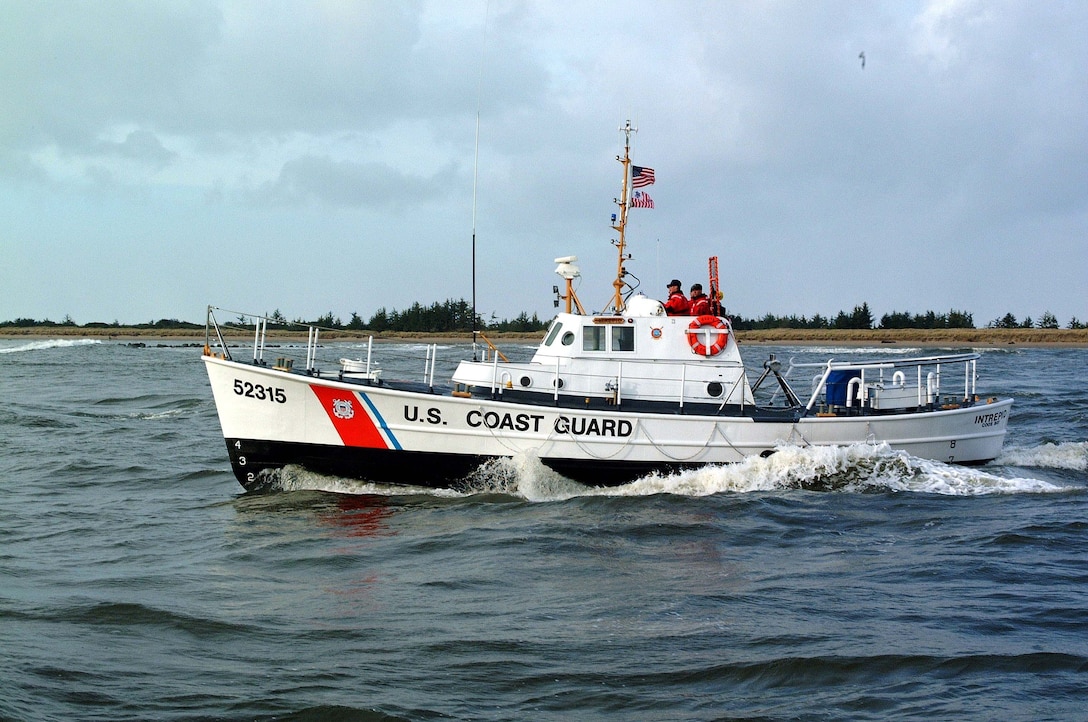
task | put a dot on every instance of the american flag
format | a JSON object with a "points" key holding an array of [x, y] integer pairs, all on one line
{"points": [[641, 177], [641, 199]]}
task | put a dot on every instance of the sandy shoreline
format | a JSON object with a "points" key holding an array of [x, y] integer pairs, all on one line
{"points": [[982, 337]]}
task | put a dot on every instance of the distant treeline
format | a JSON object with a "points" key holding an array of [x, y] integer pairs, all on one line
{"points": [[456, 315], [450, 315], [862, 318], [67, 322]]}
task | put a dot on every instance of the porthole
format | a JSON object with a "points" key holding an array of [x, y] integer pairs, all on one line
{"points": [[560, 382], [526, 381], [714, 389], [568, 338]]}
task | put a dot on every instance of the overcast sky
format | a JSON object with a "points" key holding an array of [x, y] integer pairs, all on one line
{"points": [[157, 157]]}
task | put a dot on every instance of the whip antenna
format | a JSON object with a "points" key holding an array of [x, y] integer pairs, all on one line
{"points": [[476, 174]]}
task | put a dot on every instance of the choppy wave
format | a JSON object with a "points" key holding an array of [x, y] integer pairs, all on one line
{"points": [[860, 468], [1070, 455], [128, 614], [50, 343], [860, 350]]}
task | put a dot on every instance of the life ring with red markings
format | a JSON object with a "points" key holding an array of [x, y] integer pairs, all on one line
{"points": [[696, 333]]}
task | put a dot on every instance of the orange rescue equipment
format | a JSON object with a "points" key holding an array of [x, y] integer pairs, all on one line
{"points": [[695, 337]]}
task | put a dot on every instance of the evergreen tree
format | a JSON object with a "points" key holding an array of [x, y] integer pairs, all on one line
{"points": [[960, 319], [1006, 321], [379, 321], [1048, 320], [896, 319], [862, 317], [328, 321]]}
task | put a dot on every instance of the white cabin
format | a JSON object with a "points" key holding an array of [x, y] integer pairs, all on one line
{"points": [[641, 355]]}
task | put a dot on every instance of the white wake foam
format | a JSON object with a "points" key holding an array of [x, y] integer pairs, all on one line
{"points": [[858, 468], [1069, 455], [50, 343], [865, 350], [296, 478]]}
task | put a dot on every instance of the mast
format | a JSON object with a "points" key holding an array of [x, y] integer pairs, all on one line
{"points": [[621, 226]]}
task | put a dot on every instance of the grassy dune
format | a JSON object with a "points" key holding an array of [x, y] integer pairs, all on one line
{"points": [[912, 337]]}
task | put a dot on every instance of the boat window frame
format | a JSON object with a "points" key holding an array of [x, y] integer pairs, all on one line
{"points": [[598, 334], [557, 326], [623, 339]]}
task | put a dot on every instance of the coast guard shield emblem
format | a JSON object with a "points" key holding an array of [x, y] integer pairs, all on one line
{"points": [[343, 409]]}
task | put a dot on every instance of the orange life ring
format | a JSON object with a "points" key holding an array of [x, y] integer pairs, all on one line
{"points": [[720, 340]]}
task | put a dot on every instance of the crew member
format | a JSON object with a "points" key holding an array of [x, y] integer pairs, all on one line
{"points": [[677, 304], [700, 303]]}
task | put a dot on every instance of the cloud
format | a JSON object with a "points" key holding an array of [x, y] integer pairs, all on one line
{"points": [[350, 184], [959, 150], [74, 69], [140, 145]]}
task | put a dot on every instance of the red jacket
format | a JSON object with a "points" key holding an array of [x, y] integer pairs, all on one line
{"points": [[700, 305], [677, 305]]}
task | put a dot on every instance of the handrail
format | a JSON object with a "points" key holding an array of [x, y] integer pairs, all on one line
{"points": [[898, 363], [683, 384], [260, 334], [493, 347], [932, 382], [495, 376]]}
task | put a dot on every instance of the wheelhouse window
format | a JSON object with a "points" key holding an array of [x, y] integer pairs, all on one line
{"points": [[604, 338], [623, 338], [593, 338]]}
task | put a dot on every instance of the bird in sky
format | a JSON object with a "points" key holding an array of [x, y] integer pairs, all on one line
{"points": [[862, 56]]}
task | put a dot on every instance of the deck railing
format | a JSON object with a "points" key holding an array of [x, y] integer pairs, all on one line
{"points": [[895, 372], [258, 327]]}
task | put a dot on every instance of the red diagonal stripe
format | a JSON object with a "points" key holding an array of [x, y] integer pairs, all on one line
{"points": [[359, 429]]}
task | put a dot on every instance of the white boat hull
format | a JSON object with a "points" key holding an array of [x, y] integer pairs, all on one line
{"points": [[271, 418]]}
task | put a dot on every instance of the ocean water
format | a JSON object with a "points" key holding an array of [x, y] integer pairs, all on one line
{"points": [[139, 582]]}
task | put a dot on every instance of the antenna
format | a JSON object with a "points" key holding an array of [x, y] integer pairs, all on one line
{"points": [[476, 173], [475, 176]]}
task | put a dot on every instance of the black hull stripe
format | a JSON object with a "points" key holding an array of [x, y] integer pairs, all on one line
{"points": [[250, 457]]}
